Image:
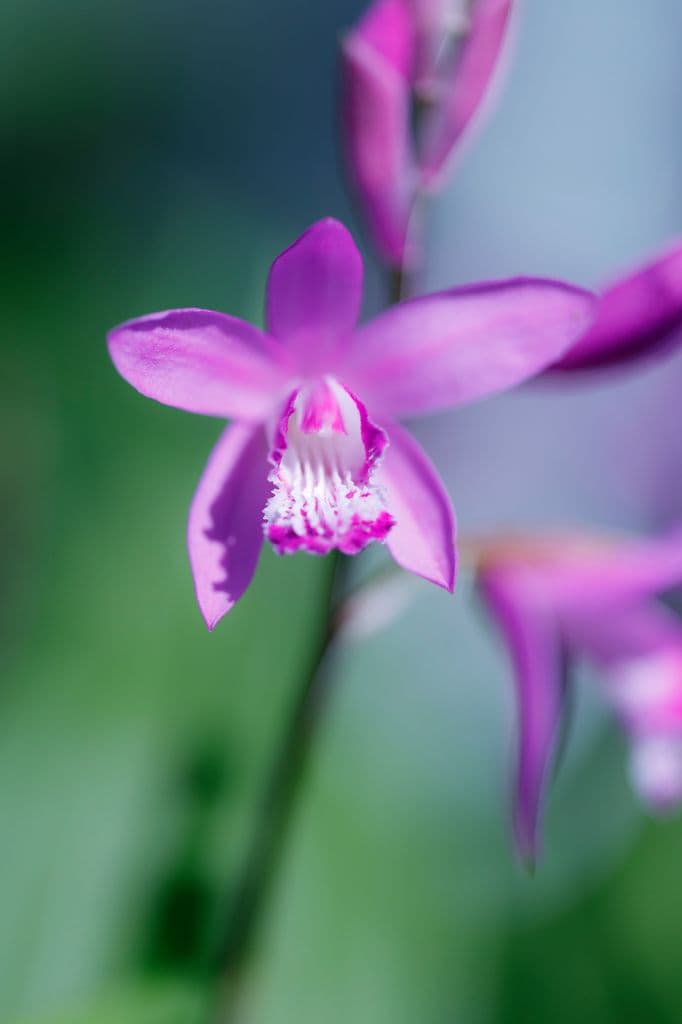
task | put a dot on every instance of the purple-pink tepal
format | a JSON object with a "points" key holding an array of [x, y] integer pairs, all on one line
{"points": [[639, 316]]}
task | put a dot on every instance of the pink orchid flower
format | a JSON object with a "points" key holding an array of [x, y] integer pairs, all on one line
{"points": [[559, 599], [315, 459], [639, 315], [438, 56]]}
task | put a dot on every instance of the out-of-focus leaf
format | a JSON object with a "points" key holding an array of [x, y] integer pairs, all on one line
{"points": [[159, 1003]]}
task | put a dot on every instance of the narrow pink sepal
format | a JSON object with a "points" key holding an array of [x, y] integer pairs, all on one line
{"points": [[456, 346], [638, 651], [314, 293], [585, 580], [469, 84], [375, 125], [423, 538], [200, 361], [639, 315], [225, 528], [624, 633], [388, 28], [529, 630]]}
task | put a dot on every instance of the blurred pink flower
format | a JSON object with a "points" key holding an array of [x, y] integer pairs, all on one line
{"points": [[315, 459], [558, 599], [434, 56], [639, 315]]}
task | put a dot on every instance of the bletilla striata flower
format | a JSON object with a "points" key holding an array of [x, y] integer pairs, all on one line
{"points": [[436, 58], [315, 459], [557, 600], [638, 316]]}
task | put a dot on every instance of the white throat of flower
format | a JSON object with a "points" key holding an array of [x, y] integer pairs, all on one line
{"points": [[324, 452]]}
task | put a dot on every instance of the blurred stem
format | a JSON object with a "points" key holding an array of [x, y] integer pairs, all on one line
{"points": [[265, 849], [402, 281], [396, 285]]}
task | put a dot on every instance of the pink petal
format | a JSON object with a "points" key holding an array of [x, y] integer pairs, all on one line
{"points": [[583, 580], [387, 27], [637, 316], [624, 633], [456, 346], [590, 581], [529, 630], [200, 361], [468, 85], [375, 109], [314, 293], [377, 148], [638, 650], [423, 538], [225, 529]]}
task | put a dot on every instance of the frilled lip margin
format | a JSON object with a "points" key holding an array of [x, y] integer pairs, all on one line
{"points": [[324, 454]]}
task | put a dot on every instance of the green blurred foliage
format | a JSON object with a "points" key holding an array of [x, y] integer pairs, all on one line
{"points": [[158, 1003]]}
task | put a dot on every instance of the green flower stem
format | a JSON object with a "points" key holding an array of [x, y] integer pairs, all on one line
{"points": [[266, 846]]}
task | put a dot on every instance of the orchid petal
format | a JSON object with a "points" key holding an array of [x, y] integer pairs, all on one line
{"points": [[375, 109], [469, 84], [530, 634], [586, 579], [423, 538], [225, 529], [314, 292], [638, 650], [624, 634], [639, 315], [388, 28], [455, 346], [200, 361]]}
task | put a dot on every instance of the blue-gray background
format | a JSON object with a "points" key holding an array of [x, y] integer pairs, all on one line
{"points": [[158, 155]]}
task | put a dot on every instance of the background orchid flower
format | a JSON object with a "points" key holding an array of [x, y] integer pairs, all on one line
{"points": [[559, 599], [640, 314], [315, 459], [436, 57]]}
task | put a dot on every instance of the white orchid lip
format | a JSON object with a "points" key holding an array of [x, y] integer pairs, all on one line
{"points": [[324, 452]]}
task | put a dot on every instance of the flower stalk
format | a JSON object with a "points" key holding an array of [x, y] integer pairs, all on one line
{"points": [[266, 846]]}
